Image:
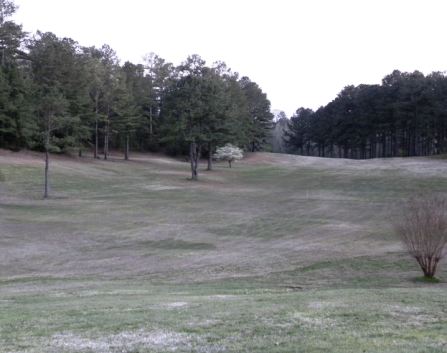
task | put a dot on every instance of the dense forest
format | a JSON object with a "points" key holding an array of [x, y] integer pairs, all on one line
{"points": [[404, 116], [57, 95]]}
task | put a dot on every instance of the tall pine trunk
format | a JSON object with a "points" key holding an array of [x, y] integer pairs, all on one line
{"points": [[96, 139], [194, 155], [47, 165], [95, 154], [126, 152], [210, 156], [106, 141], [150, 122]]}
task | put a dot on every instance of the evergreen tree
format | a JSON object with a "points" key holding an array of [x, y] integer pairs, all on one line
{"points": [[15, 108], [404, 116], [159, 74], [197, 109], [106, 83], [12, 84], [58, 93], [11, 34], [51, 116], [259, 114], [128, 113], [297, 135]]}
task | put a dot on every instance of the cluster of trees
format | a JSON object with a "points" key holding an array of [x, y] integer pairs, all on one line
{"points": [[56, 94], [404, 116]]}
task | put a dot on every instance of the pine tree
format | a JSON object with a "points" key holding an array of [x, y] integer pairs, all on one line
{"points": [[259, 113], [11, 34]]}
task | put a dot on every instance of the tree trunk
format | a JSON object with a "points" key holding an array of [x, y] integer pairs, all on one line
{"points": [[47, 165], [106, 141], [210, 156], [194, 155], [95, 154], [19, 132], [2, 140], [150, 122], [126, 153]]}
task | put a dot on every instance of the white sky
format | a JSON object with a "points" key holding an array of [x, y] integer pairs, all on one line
{"points": [[300, 52]]}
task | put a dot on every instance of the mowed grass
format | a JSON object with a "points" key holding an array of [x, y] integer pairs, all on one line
{"points": [[278, 254]]}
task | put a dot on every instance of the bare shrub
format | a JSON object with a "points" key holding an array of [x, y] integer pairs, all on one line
{"points": [[423, 230]]}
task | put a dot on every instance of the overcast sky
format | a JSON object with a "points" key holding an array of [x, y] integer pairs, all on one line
{"points": [[301, 53]]}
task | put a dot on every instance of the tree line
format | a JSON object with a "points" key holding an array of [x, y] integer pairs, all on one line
{"points": [[56, 94], [406, 115]]}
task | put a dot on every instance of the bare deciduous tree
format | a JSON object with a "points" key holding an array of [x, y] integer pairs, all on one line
{"points": [[423, 230]]}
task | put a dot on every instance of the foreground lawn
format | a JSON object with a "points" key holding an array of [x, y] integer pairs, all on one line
{"points": [[277, 254]]}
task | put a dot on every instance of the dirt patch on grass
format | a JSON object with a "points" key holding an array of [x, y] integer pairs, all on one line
{"points": [[256, 158], [21, 158]]}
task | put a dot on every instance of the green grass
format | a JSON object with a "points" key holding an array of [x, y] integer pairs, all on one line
{"points": [[424, 279], [277, 254]]}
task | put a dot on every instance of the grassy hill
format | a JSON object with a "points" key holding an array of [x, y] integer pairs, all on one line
{"points": [[280, 253]]}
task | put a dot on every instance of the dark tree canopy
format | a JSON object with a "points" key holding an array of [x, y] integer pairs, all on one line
{"points": [[259, 114], [194, 107], [149, 106], [197, 110], [404, 116]]}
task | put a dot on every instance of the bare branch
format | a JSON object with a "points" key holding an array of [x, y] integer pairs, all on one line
{"points": [[423, 230]]}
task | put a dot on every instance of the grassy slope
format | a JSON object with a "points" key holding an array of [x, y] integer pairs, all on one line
{"points": [[277, 254]]}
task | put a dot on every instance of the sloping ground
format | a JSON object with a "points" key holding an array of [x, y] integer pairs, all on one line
{"points": [[275, 253], [424, 165], [269, 213]]}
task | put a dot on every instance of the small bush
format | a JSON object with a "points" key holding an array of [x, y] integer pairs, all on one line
{"points": [[228, 153], [422, 230]]}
